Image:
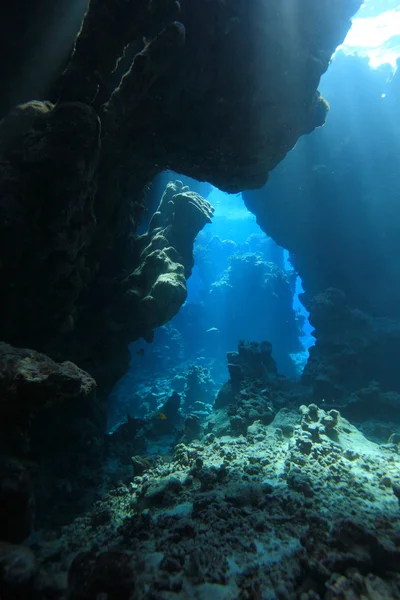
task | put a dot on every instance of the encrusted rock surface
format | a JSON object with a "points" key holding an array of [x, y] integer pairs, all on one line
{"points": [[261, 515], [39, 401], [153, 293], [30, 382]]}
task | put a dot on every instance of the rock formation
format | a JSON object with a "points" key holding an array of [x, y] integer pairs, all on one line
{"points": [[71, 173], [336, 209], [29, 384], [210, 89]]}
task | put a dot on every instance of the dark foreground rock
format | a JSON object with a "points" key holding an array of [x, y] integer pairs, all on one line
{"points": [[47, 419]]}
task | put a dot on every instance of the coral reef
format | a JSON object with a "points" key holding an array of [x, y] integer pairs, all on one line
{"points": [[260, 515], [251, 364], [247, 502], [247, 394], [31, 382], [353, 348]]}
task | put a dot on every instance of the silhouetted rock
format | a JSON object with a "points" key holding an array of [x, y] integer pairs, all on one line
{"points": [[335, 210], [47, 425]]}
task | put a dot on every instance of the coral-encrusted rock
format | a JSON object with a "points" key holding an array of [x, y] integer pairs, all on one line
{"points": [[76, 285], [153, 293], [179, 218], [252, 364], [255, 361], [317, 422], [30, 381]]}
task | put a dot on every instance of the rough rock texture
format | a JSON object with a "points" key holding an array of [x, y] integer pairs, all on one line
{"points": [[155, 291], [41, 402], [247, 394], [49, 156], [199, 388], [31, 382], [263, 515], [265, 105], [353, 348], [71, 174], [252, 362]]}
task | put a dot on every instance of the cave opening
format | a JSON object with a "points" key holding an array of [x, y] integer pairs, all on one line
{"points": [[252, 449], [242, 287]]}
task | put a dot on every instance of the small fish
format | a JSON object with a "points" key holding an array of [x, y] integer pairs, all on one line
{"points": [[265, 391], [140, 352], [213, 330], [161, 416]]}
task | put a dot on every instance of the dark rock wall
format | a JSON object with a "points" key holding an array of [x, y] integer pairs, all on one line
{"points": [[36, 40], [334, 205], [32, 385], [220, 94], [213, 89]]}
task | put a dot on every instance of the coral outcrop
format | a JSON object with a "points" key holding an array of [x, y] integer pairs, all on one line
{"points": [[253, 364], [41, 403], [259, 515], [31, 382], [168, 77], [247, 394], [48, 160], [155, 291], [199, 388]]}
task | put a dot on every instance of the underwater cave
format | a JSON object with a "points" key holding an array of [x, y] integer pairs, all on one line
{"points": [[200, 300]]}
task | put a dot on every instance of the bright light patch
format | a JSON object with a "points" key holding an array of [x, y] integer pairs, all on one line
{"points": [[230, 206], [377, 38]]}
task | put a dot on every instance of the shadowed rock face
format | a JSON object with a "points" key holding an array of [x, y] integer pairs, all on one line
{"points": [[219, 90], [228, 89], [334, 204], [31, 383], [216, 90]]}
